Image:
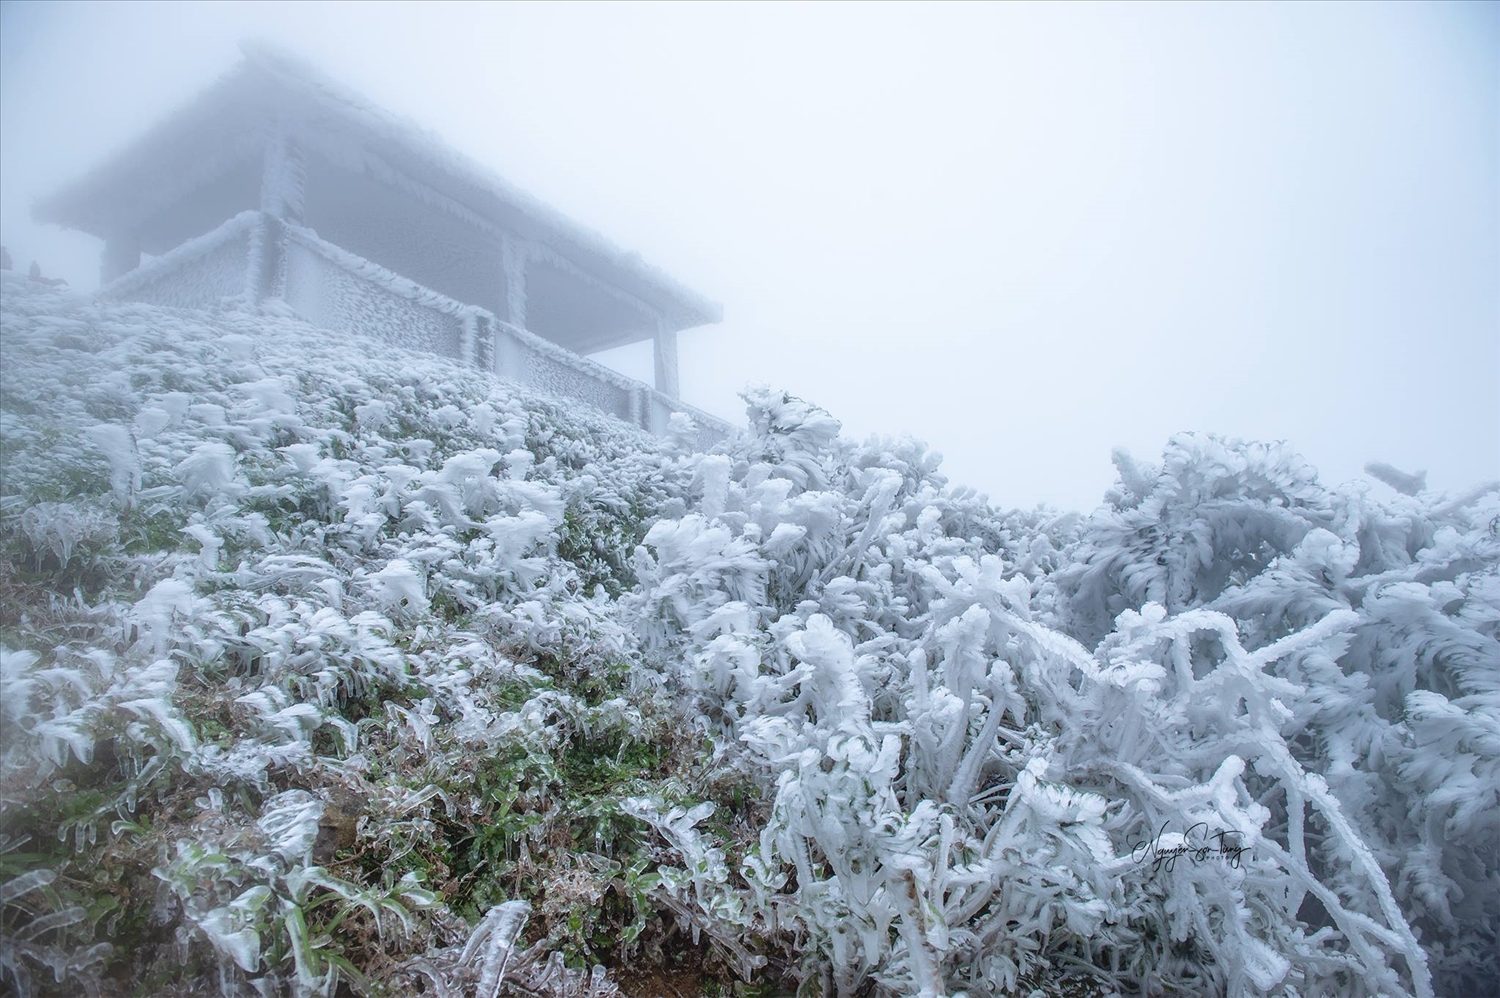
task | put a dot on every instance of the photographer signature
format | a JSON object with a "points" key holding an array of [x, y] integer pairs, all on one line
{"points": [[1166, 848]]}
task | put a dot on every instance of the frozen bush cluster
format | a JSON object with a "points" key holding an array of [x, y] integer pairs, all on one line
{"points": [[972, 754], [332, 669]]}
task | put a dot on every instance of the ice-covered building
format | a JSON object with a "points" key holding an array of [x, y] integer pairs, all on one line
{"points": [[278, 184]]}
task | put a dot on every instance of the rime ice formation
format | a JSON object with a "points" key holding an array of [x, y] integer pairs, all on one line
{"points": [[334, 670], [279, 186]]}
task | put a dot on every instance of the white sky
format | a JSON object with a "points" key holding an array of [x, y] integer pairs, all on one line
{"points": [[1022, 233]]}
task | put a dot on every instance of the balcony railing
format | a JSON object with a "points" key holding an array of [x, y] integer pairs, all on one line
{"points": [[255, 256]]}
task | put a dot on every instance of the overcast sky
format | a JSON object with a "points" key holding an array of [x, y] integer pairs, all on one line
{"points": [[1025, 234]]}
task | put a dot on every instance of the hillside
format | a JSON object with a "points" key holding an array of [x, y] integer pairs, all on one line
{"points": [[330, 668]]}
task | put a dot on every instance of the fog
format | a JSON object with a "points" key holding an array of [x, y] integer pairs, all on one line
{"points": [[1025, 234]]}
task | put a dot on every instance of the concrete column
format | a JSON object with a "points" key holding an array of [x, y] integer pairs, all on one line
{"points": [[283, 184], [122, 254], [664, 350], [513, 262]]}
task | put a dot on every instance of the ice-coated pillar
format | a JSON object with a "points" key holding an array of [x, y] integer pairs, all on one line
{"points": [[513, 262], [283, 183], [283, 191], [665, 354], [122, 254]]}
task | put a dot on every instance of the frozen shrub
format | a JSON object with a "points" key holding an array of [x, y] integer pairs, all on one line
{"points": [[382, 676]]}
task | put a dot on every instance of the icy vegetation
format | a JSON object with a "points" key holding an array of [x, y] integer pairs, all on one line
{"points": [[333, 669]]}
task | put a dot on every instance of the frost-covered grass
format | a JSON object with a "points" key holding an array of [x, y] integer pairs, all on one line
{"points": [[334, 669]]}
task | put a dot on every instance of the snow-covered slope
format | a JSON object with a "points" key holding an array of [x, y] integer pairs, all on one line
{"points": [[330, 668]]}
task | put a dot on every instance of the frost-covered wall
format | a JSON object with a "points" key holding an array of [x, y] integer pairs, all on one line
{"points": [[525, 357], [198, 274], [340, 291], [200, 283], [549, 375]]}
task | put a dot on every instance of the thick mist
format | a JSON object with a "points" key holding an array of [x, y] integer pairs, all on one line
{"points": [[1026, 234]]}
